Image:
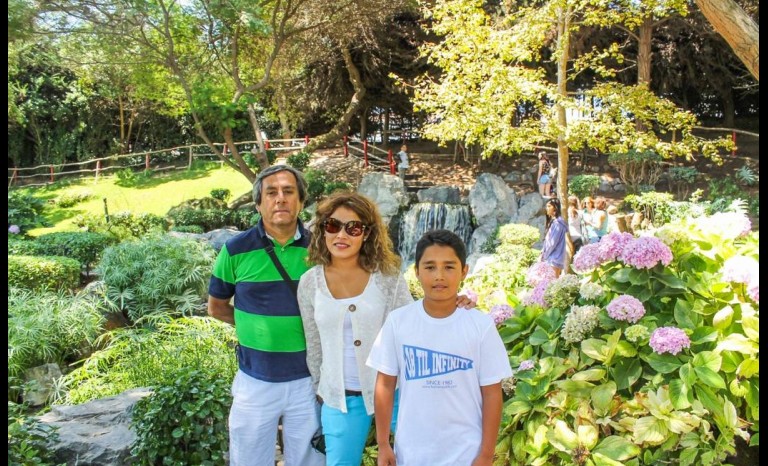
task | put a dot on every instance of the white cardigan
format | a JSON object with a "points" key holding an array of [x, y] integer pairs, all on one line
{"points": [[323, 319]]}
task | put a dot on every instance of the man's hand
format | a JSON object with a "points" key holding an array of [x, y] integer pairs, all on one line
{"points": [[387, 456]]}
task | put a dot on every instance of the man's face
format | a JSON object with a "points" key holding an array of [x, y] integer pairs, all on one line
{"points": [[280, 203]]}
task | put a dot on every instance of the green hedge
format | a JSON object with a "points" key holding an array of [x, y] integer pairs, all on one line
{"points": [[38, 272], [84, 246]]}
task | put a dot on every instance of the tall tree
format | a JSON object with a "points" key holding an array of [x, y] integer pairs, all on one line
{"points": [[737, 28]]}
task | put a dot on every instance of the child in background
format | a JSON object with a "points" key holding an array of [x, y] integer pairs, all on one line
{"points": [[449, 365], [612, 212], [403, 166]]}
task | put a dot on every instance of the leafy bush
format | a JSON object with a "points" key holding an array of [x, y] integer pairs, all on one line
{"points": [[682, 179], [316, 181], [25, 211], [221, 194], [122, 225], [498, 275], [299, 160], [656, 207], [637, 168], [209, 219], [139, 357], [333, 186], [126, 177], [413, 282], [155, 275], [71, 199], [50, 328], [43, 272], [28, 438], [184, 422], [746, 176], [661, 366], [582, 186], [511, 234], [723, 192], [86, 247], [197, 229], [21, 246]]}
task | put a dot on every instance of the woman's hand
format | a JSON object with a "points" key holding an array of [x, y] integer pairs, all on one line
{"points": [[465, 302]]}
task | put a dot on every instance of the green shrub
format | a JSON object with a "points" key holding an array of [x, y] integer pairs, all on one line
{"points": [[156, 274], [197, 229], [316, 181], [746, 176], [141, 357], [21, 246], [299, 160], [86, 247], [43, 272], [637, 168], [46, 327], [209, 219], [723, 192], [682, 179], [122, 225], [71, 199], [28, 438], [656, 207], [221, 194], [333, 186], [413, 282], [25, 211], [511, 234], [184, 422], [582, 186]]}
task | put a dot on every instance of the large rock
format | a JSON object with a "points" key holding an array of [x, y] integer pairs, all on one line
{"points": [[440, 195], [42, 378], [97, 432], [387, 191], [492, 201]]}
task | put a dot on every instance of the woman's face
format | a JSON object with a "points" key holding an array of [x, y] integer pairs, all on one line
{"points": [[550, 209], [343, 245]]}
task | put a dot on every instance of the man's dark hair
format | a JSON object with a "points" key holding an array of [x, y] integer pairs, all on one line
{"points": [[441, 238], [269, 171]]}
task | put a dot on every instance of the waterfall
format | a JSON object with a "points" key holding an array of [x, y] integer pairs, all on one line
{"points": [[425, 216]]}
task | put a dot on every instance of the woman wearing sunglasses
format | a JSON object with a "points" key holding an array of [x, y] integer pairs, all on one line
{"points": [[344, 300]]}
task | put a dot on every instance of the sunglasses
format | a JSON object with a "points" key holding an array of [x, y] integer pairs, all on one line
{"points": [[353, 227]]}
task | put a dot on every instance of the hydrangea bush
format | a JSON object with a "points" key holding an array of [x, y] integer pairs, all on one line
{"points": [[654, 359]]}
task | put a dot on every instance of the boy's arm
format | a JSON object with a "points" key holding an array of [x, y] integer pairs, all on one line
{"points": [[383, 401], [492, 403]]}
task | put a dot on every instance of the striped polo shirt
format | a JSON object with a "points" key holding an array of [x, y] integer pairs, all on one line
{"points": [[267, 319]]}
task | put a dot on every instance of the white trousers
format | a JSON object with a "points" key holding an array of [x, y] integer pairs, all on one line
{"points": [[256, 408]]}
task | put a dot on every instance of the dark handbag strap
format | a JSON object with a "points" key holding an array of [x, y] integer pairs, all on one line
{"points": [[271, 251]]}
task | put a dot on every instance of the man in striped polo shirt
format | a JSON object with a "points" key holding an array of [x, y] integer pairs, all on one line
{"points": [[273, 380]]}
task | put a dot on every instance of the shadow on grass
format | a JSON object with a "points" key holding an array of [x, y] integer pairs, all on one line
{"points": [[55, 215], [152, 178]]}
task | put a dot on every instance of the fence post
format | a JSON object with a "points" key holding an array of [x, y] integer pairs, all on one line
{"points": [[189, 164], [266, 144], [15, 177], [391, 162], [306, 139], [146, 161], [733, 138], [346, 146], [51, 173], [365, 152], [98, 169]]}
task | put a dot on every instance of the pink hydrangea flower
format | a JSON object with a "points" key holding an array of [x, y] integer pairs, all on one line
{"points": [[670, 340], [753, 290], [612, 244], [501, 312], [526, 365], [536, 296], [740, 269], [14, 229], [626, 308], [538, 272], [588, 258], [645, 252]]}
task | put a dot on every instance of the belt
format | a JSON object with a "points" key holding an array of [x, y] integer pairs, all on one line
{"points": [[352, 393]]}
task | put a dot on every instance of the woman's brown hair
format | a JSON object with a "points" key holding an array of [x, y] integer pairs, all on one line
{"points": [[376, 252]]}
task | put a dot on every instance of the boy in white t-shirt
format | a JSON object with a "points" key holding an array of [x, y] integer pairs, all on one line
{"points": [[449, 364]]}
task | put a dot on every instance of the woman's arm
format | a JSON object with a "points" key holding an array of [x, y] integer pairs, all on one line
{"points": [[305, 295]]}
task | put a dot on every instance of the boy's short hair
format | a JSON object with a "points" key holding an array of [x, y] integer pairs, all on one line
{"points": [[441, 238]]}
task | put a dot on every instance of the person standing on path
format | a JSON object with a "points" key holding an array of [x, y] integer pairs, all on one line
{"points": [[403, 166], [260, 268], [543, 177]]}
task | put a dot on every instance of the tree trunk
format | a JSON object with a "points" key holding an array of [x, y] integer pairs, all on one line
{"points": [[644, 58], [342, 125], [285, 125], [737, 28], [563, 47]]}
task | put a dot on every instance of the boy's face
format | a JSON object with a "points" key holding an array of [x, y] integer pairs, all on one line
{"points": [[440, 273]]}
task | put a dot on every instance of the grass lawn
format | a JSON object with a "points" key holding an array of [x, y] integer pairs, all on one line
{"points": [[155, 194]]}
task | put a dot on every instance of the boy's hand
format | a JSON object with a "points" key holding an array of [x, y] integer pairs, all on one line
{"points": [[387, 456], [465, 302]]}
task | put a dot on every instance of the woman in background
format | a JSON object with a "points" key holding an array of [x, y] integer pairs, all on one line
{"points": [[553, 250]]}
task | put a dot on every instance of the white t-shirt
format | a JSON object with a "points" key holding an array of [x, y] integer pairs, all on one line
{"points": [[403, 159], [441, 365]]}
